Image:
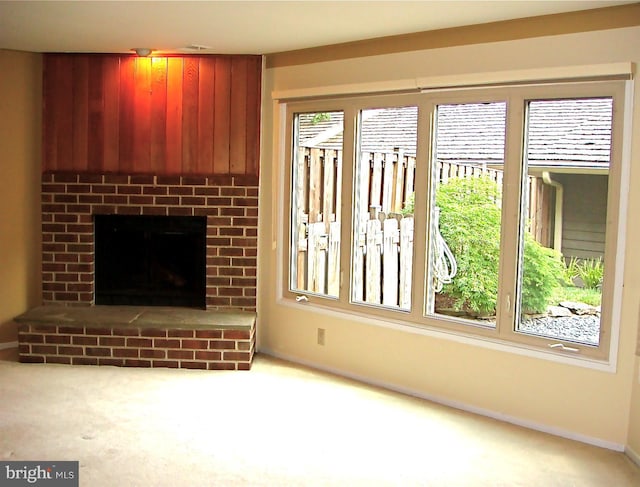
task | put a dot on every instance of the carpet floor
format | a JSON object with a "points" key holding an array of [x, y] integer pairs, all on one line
{"points": [[278, 425]]}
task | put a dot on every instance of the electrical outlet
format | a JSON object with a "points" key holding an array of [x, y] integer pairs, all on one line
{"points": [[321, 336]]}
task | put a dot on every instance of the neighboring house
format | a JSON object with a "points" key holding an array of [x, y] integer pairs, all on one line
{"points": [[568, 152]]}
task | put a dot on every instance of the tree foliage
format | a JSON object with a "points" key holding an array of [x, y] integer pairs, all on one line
{"points": [[470, 224]]}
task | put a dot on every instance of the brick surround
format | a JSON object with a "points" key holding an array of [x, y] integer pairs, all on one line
{"points": [[69, 201]]}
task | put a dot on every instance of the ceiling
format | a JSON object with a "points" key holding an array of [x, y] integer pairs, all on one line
{"points": [[243, 27]]}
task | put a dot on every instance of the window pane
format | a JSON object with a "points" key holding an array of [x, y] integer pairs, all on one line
{"points": [[464, 235], [383, 224], [315, 203], [567, 155]]}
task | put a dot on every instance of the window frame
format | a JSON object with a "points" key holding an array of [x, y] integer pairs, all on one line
{"points": [[505, 331]]}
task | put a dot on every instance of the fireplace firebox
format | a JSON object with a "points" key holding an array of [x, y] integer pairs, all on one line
{"points": [[146, 260]]}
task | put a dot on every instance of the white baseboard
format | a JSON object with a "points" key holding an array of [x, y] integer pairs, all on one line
{"points": [[633, 455], [5, 345], [456, 405]]}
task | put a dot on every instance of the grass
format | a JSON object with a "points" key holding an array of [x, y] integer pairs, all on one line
{"points": [[572, 293]]}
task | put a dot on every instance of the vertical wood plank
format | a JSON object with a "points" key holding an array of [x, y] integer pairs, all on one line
{"points": [[205, 115], [301, 260], [254, 75], [409, 178], [221, 115], [238, 116], [96, 128], [372, 268], [388, 166], [64, 123], [338, 188], [190, 115], [80, 112], [375, 191], [127, 115], [174, 115], [158, 149], [328, 185], [315, 185], [390, 271], [333, 260], [406, 264], [51, 107], [142, 115], [111, 75]]}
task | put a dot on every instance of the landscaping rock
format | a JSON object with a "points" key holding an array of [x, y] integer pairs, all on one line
{"points": [[579, 308], [558, 311], [581, 329]]}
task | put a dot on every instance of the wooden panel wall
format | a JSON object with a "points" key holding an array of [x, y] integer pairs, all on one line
{"points": [[157, 115]]}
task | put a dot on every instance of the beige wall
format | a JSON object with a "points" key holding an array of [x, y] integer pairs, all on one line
{"points": [[576, 401], [633, 441], [20, 109]]}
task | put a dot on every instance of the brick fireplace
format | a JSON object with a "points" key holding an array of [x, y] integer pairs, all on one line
{"points": [[70, 202]]}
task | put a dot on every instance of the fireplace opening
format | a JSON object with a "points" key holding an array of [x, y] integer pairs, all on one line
{"points": [[150, 260]]}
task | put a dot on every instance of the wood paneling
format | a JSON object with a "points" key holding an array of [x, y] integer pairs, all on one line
{"points": [[195, 115]]}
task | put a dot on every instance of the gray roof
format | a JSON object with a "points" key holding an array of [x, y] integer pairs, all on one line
{"points": [[575, 133]]}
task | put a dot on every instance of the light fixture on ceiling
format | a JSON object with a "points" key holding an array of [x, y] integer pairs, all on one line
{"points": [[142, 51]]}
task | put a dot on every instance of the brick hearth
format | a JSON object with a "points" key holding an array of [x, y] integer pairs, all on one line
{"points": [[132, 336]]}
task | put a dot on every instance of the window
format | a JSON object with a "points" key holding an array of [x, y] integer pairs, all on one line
{"points": [[568, 155], [465, 221], [489, 212], [315, 209], [382, 228]]}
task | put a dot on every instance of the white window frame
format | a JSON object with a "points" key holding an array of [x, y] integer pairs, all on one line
{"points": [[502, 337]]}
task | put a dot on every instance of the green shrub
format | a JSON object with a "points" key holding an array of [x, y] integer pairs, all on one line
{"points": [[570, 271], [542, 269], [470, 224], [591, 272]]}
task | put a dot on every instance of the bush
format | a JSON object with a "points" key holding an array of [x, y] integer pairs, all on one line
{"points": [[470, 224], [591, 272], [542, 269], [570, 271]]}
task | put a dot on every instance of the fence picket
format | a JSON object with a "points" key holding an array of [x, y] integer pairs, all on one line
{"points": [[391, 239], [333, 260], [372, 269], [329, 187], [375, 191], [406, 262], [399, 178], [388, 169], [315, 185]]}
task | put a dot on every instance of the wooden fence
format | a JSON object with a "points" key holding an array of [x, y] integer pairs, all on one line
{"points": [[383, 255]]}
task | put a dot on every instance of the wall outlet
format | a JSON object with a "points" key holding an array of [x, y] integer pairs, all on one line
{"points": [[321, 336]]}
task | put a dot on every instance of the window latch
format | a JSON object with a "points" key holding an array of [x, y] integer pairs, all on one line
{"points": [[301, 298], [563, 347]]}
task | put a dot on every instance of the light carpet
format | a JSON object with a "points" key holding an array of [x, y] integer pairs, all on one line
{"points": [[277, 425]]}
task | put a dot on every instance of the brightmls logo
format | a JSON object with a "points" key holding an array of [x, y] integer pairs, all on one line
{"points": [[46, 474]]}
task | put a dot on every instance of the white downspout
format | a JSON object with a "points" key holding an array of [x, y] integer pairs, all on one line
{"points": [[557, 228]]}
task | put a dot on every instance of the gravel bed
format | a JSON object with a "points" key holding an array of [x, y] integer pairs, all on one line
{"points": [[577, 328]]}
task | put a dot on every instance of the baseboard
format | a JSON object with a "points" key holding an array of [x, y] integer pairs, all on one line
{"points": [[633, 455], [6, 345], [609, 445]]}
